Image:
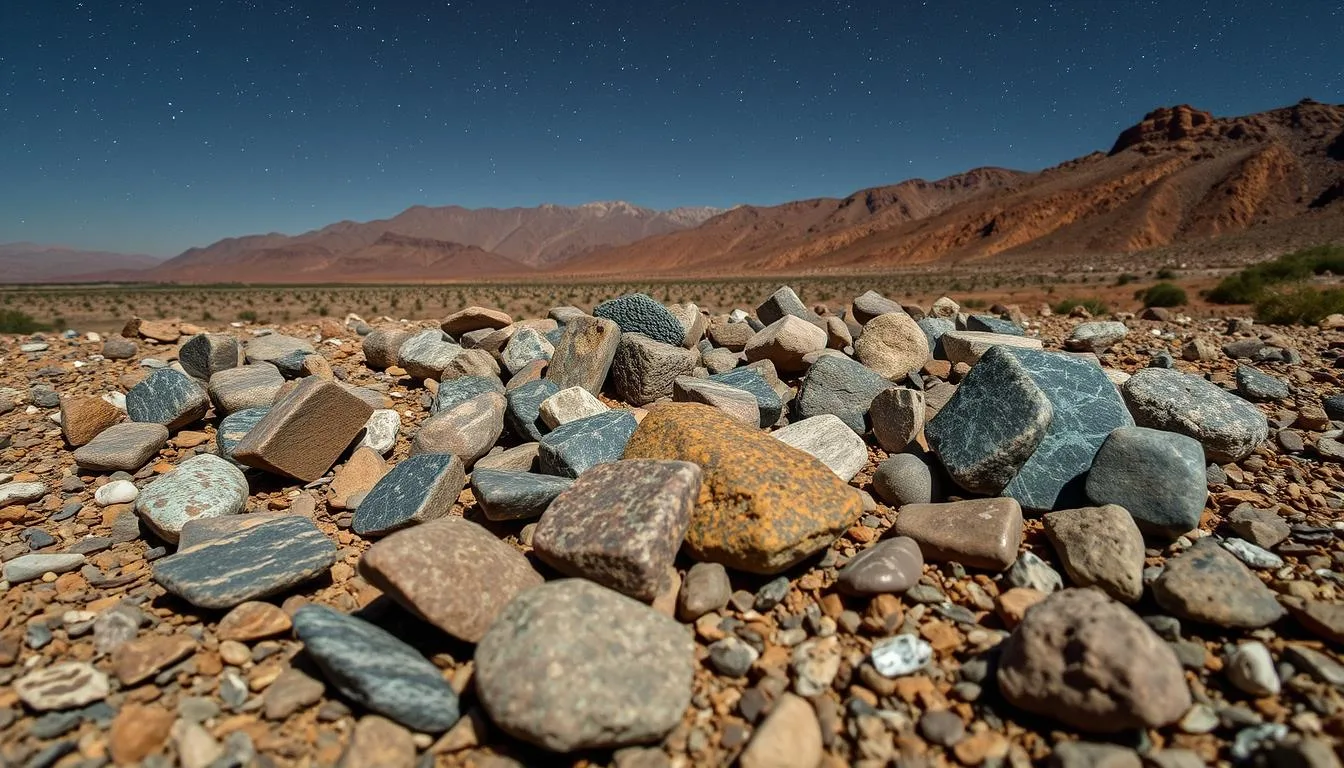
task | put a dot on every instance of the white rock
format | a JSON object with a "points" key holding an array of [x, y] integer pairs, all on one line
{"points": [[21, 493], [91, 336], [569, 405], [196, 748], [34, 346], [116, 492], [1250, 554], [1250, 667], [900, 655], [828, 438], [968, 346], [380, 432], [32, 566], [116, 400]]}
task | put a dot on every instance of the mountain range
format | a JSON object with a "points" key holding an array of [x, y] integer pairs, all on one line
{"points": [[1180, 177]]}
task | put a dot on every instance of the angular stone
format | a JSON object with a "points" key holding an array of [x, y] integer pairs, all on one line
{"points": [[527, 345], [376, 670], [167, 397], [1095, 337], [253, 620], [644, 369], [83, 418], [980, 533], [751, 380], [1228, 427], [248, 386], [1254, 385], [1157, 476], [252, 562], [764, 506], [1086, 408], [1262, 527], [693, 323], [1099, 547], [122, 447], [475, 319], [467, 430], [969, 346], [421, 488], [729, 335], [303, 434], [573, 448], [1089, 662], [274, 346], [993, 424], [426, 354], [737, 403], [790, 737], [513, 495], [871, 304], [570, 405], [893, 345], [621, 524], [829, 439], [840, 386], [584, 353], [203, 486], [381, 430], [992, 324], [637, 313], [1208, 584], [64, 685], [897, 415], [784, 303], [572, 665], [291, 691], [233, 428], [934, 329], [205, 354], [786, 343], [356, 476], [135, 661], [450, 572], [890, 566], [522, 415], [383, 345], [520, 458]]}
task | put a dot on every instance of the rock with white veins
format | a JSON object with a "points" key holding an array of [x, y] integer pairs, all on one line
{"points": [[830, 439]]}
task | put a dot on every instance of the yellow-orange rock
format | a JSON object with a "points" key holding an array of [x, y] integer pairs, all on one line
{"points": [[764, 505]]}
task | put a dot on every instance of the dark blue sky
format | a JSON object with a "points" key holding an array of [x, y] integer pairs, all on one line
{"points": [[153, 126]]}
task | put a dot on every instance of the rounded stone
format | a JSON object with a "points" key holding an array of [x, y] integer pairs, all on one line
{"points": [[889, 567], [893, 344], [200, 487], [907, 479], [1157, 476], [638, 313], [1228, 427]]}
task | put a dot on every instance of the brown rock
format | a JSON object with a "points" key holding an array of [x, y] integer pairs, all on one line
{"points": [[584, 353], [451, 572], [83, 417], [138, 731], [138, 659], [764, 505], [1325, 620], [474, 319], [790, 737], [1101, 547], [166, 331], [1091, 663], [1012, 605], [291, 691], [379, 743], [467, 430], [981, 533], [357, 475], [253, 620], [382, 345], [126, 447], [304, 433]]}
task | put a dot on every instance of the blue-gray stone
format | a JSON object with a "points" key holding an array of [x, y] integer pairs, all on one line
{"points": [[1227, 426], [506, 494], [1268, 354], [1087, 407], [455, 391], [522, 415], [234, 427], [420, 488], [751, 380], [578, 445], [205, 354], [252, 562], [993, 324], [167, 397], [1095, 337], [1334, 407], [785, 302], [1254, 385], [638, 313], [842, 387], [554, 335], [992, 424], [290, 364], [1158, 476], [934, 328], [201, 487], [376, 670]]}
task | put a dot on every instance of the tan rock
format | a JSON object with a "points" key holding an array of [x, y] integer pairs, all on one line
{"points": [[786, 342], [790, 737], [357, 475], [83, 417], [378, 743], [892, 344], [166, 331], [253, 620], [138, 731], [981, 533], [138, 659], [475, 319], [304, 433]]}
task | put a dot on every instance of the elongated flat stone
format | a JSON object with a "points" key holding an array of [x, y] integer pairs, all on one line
{"points": [[421, 488], [274, 346], [167, 397], [981, 533], [252, 563], [574, 447], [371, 667], [830, 439], [969, 346], [303, 434], [122, 447], [249, 386], [1228, 427], [514, 495], [202, 486]]}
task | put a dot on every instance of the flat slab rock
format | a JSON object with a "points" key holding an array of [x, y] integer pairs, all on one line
{"points": [[202, 486], [122, 447], [251, 563], [573, 665], [303, 434], [831, 440], [571, 449], [418, 489], [1208, 584], [980, 533], [1228, 427]]}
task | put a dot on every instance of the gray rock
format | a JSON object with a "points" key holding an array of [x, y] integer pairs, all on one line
{"points": [[460, 390], [897, 415], [992, 324], [426, 354], [1262, 527], [890, 566], [522, 415], [842, 387], [167, 397], [1157, 476], [732, 657], [248, 386], [1099, 547], [1206, 583], [1095, 337], [201, 487], [644, 369], [525, 346], [1333, 406], [374, 669], [1228, 427], [706, 588], [514, 495], [829, 439], [257, 559], [574, 447], [905, 478], [118, 348], [206, 354], [32, 566], [626, 670], [468, 429], [381, 346], [934, 328], [638, 313], [871, 304], [751, 380], [1254, 385], [1034, 573], [1250, 667], [21, 493], [274, 346], [1082, 754], [420, 488], [784, 302]]}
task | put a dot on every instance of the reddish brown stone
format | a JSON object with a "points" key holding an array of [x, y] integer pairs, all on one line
{"points": [[253, 620], [82, 418], [136, 660]]}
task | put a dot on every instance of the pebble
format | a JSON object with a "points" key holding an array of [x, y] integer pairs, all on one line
{"points": [[732, 657], [1250, 667], [29, 567], [253, 620], [706, 588], [1095, 337], [906, 478], [737, 403], [900, 655], [63, 685], [122, 447], [970, 346], [1252, 555], [381, 430], [790, 737], [891, 566]]}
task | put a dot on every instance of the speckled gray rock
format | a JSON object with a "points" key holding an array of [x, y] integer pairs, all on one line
{"points": [[993, 324], [574, 447], [468, 429], [460, 390], [583, 354], [167, 397], [32, 566], [934, 328], [905, 478], [784, 301], [515, 495], [371, 667], [202, 486], [206, 354], [621, 524], [1208, 584], [21, 493], [233, 428], [525, 346], [122, 447], [751, 380], [637, 313], [992, 425], [522, 413], [418, 489], [1087, 407], [897, 416], [274, 346], [254, 560], [1255, 385], [890, 566], [571, 665], [1228, 427], [644, 369], [243, 387], [840, 386], [1099, 547], [830, 440], [871, 304], [426, 354], [1158, 476], [1095, 337]]}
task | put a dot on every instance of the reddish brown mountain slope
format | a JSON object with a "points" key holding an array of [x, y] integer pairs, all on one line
{"points": [[1179, 176]]}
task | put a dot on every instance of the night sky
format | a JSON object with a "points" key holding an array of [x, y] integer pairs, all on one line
{"points": [[154, 126]]}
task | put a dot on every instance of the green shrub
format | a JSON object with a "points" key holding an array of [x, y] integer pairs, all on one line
{"points": [[1094, 306], [1299, 306], [1126, 279], [1166, 273], [1250, 285], [1163, 295], [14, 321], [248, 315]]}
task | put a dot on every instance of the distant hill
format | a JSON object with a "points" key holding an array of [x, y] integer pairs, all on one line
{"points": [[36, 263]]}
